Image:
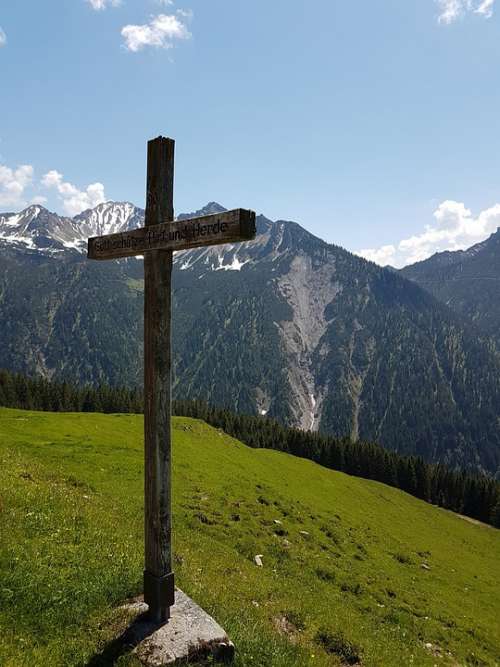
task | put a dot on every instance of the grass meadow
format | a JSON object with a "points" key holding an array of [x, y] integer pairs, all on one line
{"points": [[354, 572]]}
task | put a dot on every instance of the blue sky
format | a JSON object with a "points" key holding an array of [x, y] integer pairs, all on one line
{"points": [[373, 123]]}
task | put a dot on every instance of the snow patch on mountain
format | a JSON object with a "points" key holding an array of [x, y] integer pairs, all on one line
{"points": [[267, 246], [235, 265], [36, 228], [110, 218]]}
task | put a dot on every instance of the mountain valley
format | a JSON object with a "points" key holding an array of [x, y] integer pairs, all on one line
{"points": [[287, 325]]}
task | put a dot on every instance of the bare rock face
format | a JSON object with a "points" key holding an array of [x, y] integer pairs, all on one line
{"points": [[190, 635], [309, 289]]}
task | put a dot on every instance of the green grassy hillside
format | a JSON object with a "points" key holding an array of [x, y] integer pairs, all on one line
{"points": [[354, 572]]}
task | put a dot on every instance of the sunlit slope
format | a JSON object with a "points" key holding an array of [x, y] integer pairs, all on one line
{"points": [[353, 571]]}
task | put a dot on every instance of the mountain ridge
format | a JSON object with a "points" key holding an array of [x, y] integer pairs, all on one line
{"points": [[37, 228], [467, 281], [286, 325]]}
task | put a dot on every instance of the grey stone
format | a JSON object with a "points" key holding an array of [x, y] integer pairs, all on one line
{"points": [[189, 635]]}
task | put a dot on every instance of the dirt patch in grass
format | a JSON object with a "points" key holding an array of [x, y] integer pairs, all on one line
{"points": [[336, 643]]}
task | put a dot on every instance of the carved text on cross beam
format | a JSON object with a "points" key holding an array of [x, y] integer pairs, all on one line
{"points": [[228, 227]]}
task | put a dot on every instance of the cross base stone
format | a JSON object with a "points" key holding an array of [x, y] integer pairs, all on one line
{"points": [[190, 635]]}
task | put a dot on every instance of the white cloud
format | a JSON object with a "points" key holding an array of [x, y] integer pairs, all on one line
{"points": [[102, 4], [185, 13], [13, 183], [160, 32], [454, 228], [452, 10], [485, 8], [383, 255], [39, 199], [19, 188], [3, 38], [74, 201]]}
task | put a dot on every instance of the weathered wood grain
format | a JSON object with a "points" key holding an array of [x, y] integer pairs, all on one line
{"points": [[228, 227], [158, 577]]}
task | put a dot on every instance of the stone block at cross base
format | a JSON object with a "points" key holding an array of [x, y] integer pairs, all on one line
{"points": [[190, 635]]}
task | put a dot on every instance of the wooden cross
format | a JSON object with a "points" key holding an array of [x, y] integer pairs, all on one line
{"points": [[157, 241]]}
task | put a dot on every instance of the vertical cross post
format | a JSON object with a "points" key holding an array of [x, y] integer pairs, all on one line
{"points": [[158, 575]]}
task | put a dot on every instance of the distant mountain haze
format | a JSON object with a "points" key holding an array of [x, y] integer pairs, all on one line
{"points": [[286, 325]]}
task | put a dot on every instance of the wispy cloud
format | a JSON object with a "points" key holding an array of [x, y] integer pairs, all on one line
{"points": [[3, 38], [454, 228], [161, 32], [485, 8], [452, 10], [74, 200], [39, 199], [13, 184], [102, 4]]}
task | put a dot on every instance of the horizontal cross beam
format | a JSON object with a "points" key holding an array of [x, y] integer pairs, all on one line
{"points": [[227, 227]]}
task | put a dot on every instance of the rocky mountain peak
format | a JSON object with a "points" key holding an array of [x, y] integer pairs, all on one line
{"points": [[33, 211], [209, 209], [109, 218]]}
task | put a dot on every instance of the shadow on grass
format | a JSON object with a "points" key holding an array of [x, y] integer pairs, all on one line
{"points": [[136, 632]]}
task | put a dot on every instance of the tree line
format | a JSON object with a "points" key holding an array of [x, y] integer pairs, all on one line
{"points": [[471, 494]]}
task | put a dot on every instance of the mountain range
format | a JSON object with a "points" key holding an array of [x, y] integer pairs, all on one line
{"points": [[286, 325], [468, 281]]}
